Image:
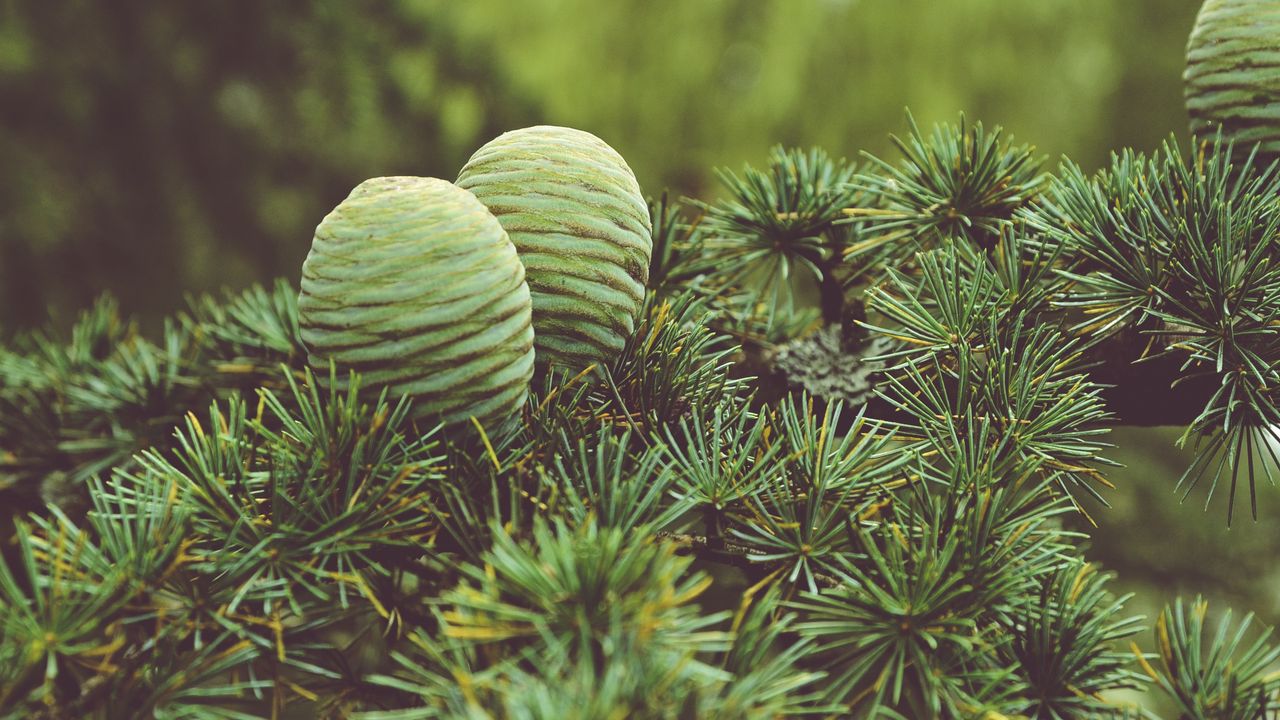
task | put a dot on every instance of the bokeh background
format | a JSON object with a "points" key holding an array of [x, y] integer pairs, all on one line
{"points": [[157, 149]]}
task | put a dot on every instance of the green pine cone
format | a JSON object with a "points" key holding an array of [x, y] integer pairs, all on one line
{"points": [[576, 215], [1233, 73], [413, 284]]}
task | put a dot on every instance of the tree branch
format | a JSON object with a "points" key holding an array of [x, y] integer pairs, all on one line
{"points": [[1138, 392]]}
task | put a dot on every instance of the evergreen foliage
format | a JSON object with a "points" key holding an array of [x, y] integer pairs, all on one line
{"points": [[201, 530]]}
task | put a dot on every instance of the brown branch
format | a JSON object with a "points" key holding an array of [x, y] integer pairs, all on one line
{"points": [[1141, 391], [1138, 391]]}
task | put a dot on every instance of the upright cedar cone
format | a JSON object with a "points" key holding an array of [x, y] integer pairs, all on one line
{"points": [[576, 215], [1233, 73], [413, 284]]}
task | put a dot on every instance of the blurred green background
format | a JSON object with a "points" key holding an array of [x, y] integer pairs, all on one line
{"points": [[156, 149], [160, 148]]}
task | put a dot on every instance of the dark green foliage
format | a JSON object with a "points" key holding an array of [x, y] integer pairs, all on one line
{"points": [[601, 479], [1178, 256], [528, 632], [259, 534], [1223, 676], [672, 365], [982, 379], [1020, 401], [258, 326], [960, 182], [902, 631], [932, 313], [71, 408], [776, 233], [1222, 305], [662, 535], [802, 518], [1097, 221], [1066, 648], [791, 205], [930, 596], [677, 242], [720, 459], [579, 586], [765, 660]]}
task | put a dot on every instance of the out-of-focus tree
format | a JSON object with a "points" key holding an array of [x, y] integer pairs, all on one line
{"points": [[687, 86], [160, 148], [156, 149]]}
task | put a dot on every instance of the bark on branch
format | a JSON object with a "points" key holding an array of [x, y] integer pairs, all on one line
{"points": [[1137, 391]]}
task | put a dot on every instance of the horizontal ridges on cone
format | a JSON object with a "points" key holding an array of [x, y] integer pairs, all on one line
{"points": [[1233, 72], [576, 214], [413, 284]]}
